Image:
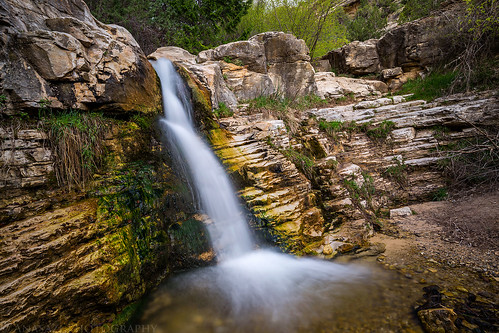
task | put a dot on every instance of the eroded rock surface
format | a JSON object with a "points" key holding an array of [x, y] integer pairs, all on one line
{"points": [[321, 212], [59, 53], [268, 63]]}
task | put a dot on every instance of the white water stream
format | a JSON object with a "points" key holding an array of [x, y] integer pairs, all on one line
{"points": [[259, 286]]}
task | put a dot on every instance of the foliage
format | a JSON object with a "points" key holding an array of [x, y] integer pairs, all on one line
{"points": [[415, 9], [370, 19], [304, 163], [223, 111], [439, 194], [3, 100], [316, 22], [377, 133], [77, 141], [434, 85], [333, 128], [397, 172], [144, 121], [284, 108], [473, 161], [477, 36], [362, 197], [381, 131], [192, 25]]}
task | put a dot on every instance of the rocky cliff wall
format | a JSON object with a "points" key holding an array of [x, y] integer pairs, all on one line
{"points": [[56, 52], [367, 158]]}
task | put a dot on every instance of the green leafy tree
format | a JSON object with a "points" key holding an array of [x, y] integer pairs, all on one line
{"points": [[191, 24], [415, 9], [315, 21], [370, 19]]}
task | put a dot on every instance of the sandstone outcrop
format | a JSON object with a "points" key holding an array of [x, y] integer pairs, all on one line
{"points": [[58, 53], [358, 58], [268, 63], [70, 261]]}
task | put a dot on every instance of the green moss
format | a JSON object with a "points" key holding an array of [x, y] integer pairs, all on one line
{"points": [[126, 315], [201, 98], [191, 235]]}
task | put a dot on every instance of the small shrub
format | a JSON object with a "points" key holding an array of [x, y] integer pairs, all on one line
{"points": [[236, 62], [3, 100], [473, 161], [415, 9], [365, 192], [304, 163], [435, 85], [381, 131], [439, 194], [369, 21], [397, 172], [223, 111]]}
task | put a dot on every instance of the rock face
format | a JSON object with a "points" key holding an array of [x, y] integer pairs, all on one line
{"points": [[331, 86], [320, 211], [268, 63], [75, 259], [58, 53], [403, 52], [358, 58]]}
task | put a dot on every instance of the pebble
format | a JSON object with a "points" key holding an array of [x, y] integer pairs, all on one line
{"points": [[462, 289], [433, 270]]}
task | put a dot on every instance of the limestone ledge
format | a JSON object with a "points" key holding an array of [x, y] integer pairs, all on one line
{"points": [[313, 213]]}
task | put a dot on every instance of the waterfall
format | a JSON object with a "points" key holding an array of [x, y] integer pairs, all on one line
{"points": [[274, 291], [229, 232]]}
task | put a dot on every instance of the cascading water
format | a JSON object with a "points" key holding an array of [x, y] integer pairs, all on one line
{"points": [[229, 232], [249, 288]]}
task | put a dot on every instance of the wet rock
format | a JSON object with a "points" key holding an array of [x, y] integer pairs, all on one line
{"points": [[440, 320], [174, 54]]}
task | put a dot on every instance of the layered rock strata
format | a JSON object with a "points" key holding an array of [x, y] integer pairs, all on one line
{"points": [[320, 214]]}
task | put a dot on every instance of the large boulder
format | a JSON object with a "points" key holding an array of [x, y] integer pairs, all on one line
{"points": [[288, 63], [58, 52], [267, 63], [330, 86], [358, 58], [422, 43], [246, 84], [249, 53]]}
